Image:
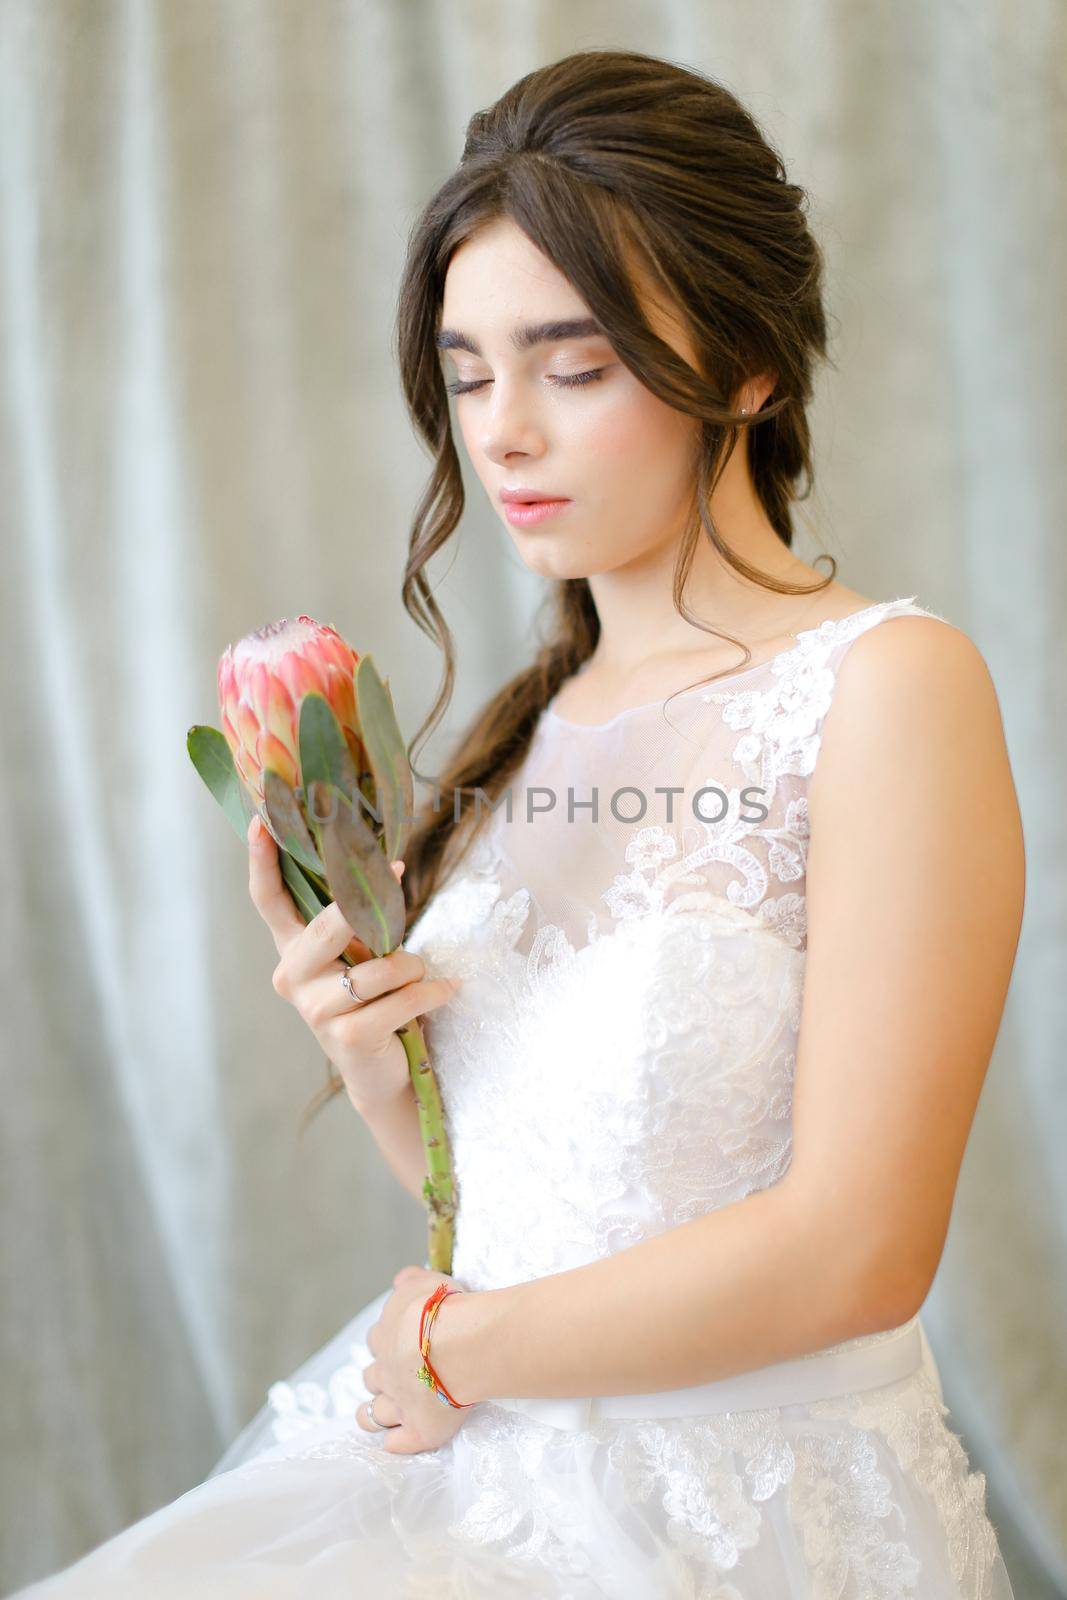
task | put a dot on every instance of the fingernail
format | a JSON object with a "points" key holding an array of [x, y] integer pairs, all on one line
{"points": [[254, 830]]}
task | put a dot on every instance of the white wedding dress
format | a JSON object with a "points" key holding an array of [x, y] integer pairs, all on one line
{"points": [[618, 1061]]}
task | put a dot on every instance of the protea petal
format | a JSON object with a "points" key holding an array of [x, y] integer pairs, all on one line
{"points": [[257, 690], [281, 717], [227, 682], [338, 651], [249, 772], [230, 733], [247, 727], [301, 676], [275, 755], [341, 694]]}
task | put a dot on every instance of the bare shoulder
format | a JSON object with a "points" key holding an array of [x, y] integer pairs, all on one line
{"points": [[915, 720], [910, 677]]}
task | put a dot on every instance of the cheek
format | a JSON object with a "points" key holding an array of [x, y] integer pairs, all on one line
{"points": [[647, 445]]}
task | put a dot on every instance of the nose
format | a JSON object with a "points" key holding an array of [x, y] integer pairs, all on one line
{"points": [[509, 426]]}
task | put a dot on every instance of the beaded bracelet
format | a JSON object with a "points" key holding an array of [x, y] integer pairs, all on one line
{"points": [[426, 1373]]}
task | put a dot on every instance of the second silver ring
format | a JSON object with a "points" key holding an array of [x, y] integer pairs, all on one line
{"points": [[346, 984]]}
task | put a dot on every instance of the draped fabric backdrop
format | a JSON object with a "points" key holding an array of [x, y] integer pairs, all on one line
{"points": [[204, 213]]}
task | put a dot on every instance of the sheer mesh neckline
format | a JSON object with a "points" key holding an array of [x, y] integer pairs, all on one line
{"points": [[724, 678]]}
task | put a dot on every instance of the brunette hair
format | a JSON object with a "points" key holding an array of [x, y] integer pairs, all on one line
{"points": [[604, 159]]}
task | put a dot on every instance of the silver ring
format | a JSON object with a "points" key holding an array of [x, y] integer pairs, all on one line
{"points": [[346, 982], [374, 1419]]}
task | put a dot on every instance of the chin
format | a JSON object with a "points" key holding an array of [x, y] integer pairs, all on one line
{"points": [[549, 561], [542, 563]]}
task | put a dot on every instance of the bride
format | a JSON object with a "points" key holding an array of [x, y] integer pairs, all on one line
{"points": [[710, 984]]}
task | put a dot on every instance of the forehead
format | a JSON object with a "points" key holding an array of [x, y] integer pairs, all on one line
{"points": [[500, 285], [498, 279]]}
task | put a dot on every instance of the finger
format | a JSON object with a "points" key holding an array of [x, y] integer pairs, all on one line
{"points": [[401, 1006], [402, 1441], [382, 974], [325, 938], [370, 979], [320, 943], [330, 934], [386, 1414], [267, 887]]}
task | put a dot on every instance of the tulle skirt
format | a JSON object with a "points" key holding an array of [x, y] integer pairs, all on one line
{"points": [[862, 1494]]}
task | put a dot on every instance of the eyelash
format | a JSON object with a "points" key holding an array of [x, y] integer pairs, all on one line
{"points": [[568, 381]]}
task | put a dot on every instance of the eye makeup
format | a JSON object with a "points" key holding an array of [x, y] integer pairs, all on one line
{"points": [[563, 380]]}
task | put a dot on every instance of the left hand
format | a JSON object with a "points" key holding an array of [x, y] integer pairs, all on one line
{"points": [[425, 1421]]}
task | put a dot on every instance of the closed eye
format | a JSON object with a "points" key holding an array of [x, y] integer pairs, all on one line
{"points": [[566, 381]]}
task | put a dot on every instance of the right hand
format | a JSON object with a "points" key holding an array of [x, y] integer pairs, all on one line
{"points": [[361, 1041]]}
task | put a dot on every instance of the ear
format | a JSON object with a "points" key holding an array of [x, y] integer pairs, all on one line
{"points": [[766, 385]]}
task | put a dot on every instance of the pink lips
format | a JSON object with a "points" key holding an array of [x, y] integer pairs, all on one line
{"points": [[523, 514], [525, 507]]}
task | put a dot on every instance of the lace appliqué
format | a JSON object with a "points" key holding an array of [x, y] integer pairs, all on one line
{"points": [[543, 1522], [661, 883], [711, 1478], [926, 1447], [708, 1013], [781, 732], [780, 740]]}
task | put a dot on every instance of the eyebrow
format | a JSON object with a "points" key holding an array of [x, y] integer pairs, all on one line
{"points": [[525, 336]]}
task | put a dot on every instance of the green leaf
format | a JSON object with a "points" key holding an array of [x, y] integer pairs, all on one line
{"points": [[304, 893], [324, 755], [212, 759], [288, 825], [360, 878], [210, 755], [387, 755]]}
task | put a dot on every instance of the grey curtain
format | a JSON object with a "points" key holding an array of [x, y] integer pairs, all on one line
{"points": [[204, 207]]}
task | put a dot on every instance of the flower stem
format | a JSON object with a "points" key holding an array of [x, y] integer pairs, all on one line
{"points": [[438, 1188]]}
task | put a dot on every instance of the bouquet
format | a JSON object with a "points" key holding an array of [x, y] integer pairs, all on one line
{"points": [[310, 741]]}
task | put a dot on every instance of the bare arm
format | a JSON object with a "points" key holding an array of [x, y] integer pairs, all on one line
{"points": [[915, 897], [394, 1126]]}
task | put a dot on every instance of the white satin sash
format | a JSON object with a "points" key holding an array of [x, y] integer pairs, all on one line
{"points": [[822, 1376]]}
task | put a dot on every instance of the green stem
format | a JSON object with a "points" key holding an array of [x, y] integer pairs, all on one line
{"points": [[438, 1188]]}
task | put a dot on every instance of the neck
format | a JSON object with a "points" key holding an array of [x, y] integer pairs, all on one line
{"points": [[638, 618]]}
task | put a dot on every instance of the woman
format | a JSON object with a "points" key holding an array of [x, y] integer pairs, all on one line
{"points": [[732, 940]]}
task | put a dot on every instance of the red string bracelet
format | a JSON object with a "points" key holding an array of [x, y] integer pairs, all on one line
{"points": [[426, 1373]]}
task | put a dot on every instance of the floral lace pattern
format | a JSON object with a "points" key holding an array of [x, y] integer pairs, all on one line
{"points": [[619, 1060], [927, 1448], [707, 1487]]}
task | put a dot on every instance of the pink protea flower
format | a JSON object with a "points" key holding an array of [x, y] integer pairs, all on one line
{"points": [[262, 680], [271, 683]]}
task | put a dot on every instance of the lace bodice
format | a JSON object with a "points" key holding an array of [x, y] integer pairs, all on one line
{"points": [[620, 1056]]}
